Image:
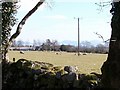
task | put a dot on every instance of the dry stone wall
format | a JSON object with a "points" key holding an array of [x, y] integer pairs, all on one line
{"points": [[40, 76]]}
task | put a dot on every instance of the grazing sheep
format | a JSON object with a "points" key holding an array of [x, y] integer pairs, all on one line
{"points": [[57, 53], [21, 52], [77, 54], [84, 53]]}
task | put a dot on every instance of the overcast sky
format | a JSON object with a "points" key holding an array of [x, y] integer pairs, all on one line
{"points": [[58, 23]]}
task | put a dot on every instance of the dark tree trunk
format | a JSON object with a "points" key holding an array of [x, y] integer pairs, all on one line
{"points": [[111, 68]]}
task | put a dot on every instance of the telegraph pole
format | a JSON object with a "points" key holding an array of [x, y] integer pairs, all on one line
{"points": [[78, 36], [78, 39]]}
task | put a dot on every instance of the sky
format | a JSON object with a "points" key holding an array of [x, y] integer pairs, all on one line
{"points": [[57, 20]]}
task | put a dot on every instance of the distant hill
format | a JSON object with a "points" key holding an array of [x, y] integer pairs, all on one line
{"points": [[75, 43], [96, 42], [69, 42]]}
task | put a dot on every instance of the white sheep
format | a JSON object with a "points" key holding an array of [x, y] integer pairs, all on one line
{"points": [[21, 52]]}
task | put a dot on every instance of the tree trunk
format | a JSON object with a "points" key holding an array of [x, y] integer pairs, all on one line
{"points": [[111, 68], [18, 31]]}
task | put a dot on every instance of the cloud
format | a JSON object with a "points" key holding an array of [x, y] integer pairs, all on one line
{"points": [[56, 17]]}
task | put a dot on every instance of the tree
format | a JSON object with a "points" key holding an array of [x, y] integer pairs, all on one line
{"points": [[55, 46], [19, 28], [36, 43], [86, 46], [43, 47], [48, 44], [100, 48], [111, 68], [68, 48], [8, 11], [63, 48], [20, 43]]}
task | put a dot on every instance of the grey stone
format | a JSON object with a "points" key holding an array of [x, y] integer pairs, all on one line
{"points": [[70, 69], [58, 75], [39, 71], [71, 77]]}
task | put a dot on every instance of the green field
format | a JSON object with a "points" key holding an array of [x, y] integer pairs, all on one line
{"points": [[86, 63]]}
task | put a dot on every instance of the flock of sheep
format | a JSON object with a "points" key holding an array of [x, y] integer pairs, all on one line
{"points": [[58, 53]]}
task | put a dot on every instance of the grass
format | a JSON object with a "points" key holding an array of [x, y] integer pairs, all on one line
{"points": [[85, 63]]}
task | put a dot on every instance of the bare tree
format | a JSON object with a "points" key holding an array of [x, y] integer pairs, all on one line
{"points": [[100, 36], [103, 4], [54, 44], [19, 28]]}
